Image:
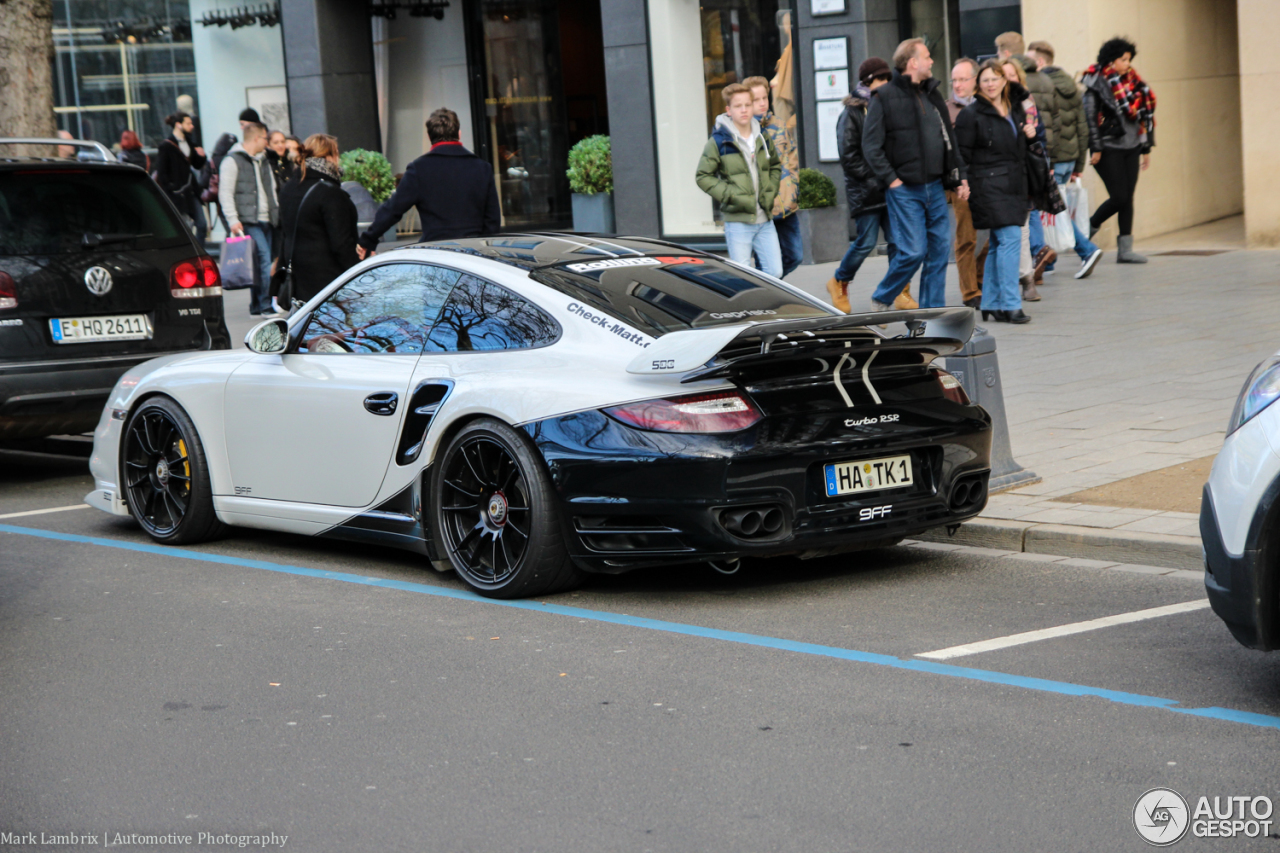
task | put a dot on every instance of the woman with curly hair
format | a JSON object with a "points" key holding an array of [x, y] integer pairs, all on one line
{"points": [[1120, 108]]}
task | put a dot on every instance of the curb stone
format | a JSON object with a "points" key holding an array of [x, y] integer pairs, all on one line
{"points": [[1092, 543]]}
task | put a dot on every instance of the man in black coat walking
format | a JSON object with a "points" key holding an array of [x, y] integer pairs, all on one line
{"points": [[910, 145], [452, 188]]}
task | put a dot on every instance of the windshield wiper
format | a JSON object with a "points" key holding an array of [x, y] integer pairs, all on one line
{"points": [[91, 240]]}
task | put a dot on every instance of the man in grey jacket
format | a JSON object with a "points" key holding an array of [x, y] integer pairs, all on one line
{"points": [[247, 195]]}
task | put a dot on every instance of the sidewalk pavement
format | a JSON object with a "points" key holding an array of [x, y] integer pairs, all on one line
{"points": [[1131, 370]]}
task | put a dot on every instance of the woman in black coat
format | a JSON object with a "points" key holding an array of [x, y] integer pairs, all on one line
{"points": [[326, 230], [175, 158], [995, 135]]}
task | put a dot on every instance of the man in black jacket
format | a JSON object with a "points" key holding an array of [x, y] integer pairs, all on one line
{"points": [[452, 188], [911, 147], [863, 191]]}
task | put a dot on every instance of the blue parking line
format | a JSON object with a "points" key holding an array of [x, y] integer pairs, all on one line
{"points": [[1042, 685]]}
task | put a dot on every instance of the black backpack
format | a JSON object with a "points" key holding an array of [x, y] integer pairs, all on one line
{"points": [[211, 166]]}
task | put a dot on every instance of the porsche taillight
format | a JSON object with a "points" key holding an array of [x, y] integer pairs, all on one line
{"points": [[723, 411], [194, 278], [8, 291], [951, 388]]}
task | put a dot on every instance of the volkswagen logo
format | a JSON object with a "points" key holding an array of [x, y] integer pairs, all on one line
{"points": [[98, 280]]}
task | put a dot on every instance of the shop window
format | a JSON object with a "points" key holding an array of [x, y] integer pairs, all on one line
{"points": [[544, 89], [697, 51]]}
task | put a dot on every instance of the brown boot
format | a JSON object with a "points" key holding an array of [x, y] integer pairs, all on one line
{"points": [[1029, 292], [1044, 257], [905, 302], [839, 291]]}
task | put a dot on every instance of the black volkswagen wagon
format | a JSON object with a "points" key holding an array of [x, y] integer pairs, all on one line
{"points": [[98, 272]]}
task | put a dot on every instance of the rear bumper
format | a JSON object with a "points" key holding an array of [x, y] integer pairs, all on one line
{"points": [[632, 499], [62, 396]]}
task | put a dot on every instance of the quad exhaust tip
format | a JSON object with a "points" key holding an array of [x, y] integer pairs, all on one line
{"points": [[754, 522], [967, 492]]}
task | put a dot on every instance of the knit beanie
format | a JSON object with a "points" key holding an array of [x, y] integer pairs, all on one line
{"points": [[871, 68]]}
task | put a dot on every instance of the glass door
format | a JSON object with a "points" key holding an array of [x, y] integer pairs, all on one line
{"points": [[525, 128]]}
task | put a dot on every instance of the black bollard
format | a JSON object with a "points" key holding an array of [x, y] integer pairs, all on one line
{"points": [[978, 370]]}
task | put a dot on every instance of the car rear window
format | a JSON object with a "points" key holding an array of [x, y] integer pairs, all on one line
{"points": [[667, 293], [46, 211]]}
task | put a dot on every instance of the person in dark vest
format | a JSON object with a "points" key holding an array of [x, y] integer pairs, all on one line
{"points": [[325, 245], [452, 188], [247, 194]]}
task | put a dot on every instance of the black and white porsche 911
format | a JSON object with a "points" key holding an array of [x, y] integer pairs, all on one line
{"points": [[527, 408]]}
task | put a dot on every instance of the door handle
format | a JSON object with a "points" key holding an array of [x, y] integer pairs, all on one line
{"points": [[382, 403]]}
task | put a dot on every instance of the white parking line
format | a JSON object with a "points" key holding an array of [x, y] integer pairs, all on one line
{"points": [[1063, 630], [43, 511]]}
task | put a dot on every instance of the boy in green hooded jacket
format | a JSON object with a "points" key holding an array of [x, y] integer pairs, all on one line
{"points": [[740, 168]]}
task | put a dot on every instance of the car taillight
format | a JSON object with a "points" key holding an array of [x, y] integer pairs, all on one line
{"points": [[194, 278], [8, 291], [723, 411], [951, 388]]}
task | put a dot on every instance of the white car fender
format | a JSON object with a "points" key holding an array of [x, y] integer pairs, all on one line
{"points": [[195, 381]]}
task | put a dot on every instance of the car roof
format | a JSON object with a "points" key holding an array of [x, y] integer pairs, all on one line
{"points": [[528, 251], [61, 163]]}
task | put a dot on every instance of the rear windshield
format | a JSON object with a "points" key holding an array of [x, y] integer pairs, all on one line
{"points": [[45, 211], [667, 293]]}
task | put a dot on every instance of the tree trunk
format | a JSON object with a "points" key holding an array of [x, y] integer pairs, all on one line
{"points": [[26, 69]]}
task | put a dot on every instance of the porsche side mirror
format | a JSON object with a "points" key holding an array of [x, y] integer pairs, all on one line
{"points": [[269, 337]]}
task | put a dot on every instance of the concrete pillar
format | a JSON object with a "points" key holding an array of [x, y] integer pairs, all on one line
{"points": [[635, 163], [872, 29], [1259, 20], [328, 60]]}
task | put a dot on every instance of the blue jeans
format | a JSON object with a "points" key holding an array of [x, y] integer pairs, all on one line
{"points": [[1000, 288], [259, 302], [788, 228], [1084, 246], [1036, 233], [744, 238], [870, 226], [920, 228]]}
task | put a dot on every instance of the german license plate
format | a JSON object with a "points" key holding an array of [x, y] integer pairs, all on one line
{"points": [[867, 475], [82, 330]]}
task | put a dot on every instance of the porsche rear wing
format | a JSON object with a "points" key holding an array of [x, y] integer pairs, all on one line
{"points": [[724, 350]]}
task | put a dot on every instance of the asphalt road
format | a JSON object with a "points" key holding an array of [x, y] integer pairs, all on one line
{"points": [[235, 687]]}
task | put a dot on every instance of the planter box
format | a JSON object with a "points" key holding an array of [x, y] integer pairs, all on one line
{"points": [[593, 213], [825, 233]]}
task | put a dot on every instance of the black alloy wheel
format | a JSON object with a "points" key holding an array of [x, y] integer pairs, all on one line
{"points": [[166, 476], [496, 515]]}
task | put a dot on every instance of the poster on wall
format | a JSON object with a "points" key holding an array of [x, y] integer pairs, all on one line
{"points": [[831, 85], [828, 146], [272, 105], [826, 7], [830, 53]]}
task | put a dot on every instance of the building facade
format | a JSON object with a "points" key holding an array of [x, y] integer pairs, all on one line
{"points": [[529, 78]]}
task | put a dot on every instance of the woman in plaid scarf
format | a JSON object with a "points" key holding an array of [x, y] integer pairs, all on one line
{"points": [[1120, 109]]}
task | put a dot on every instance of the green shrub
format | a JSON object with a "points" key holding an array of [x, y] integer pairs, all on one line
{"points": [[371, 170], [591, 166], [816, 190]]}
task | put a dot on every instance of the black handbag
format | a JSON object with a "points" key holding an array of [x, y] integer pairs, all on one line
{"points": [[1042, 189]]}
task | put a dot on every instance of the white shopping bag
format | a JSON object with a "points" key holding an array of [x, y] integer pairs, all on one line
{"points": [[1058, 233], [1077, 204]]}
